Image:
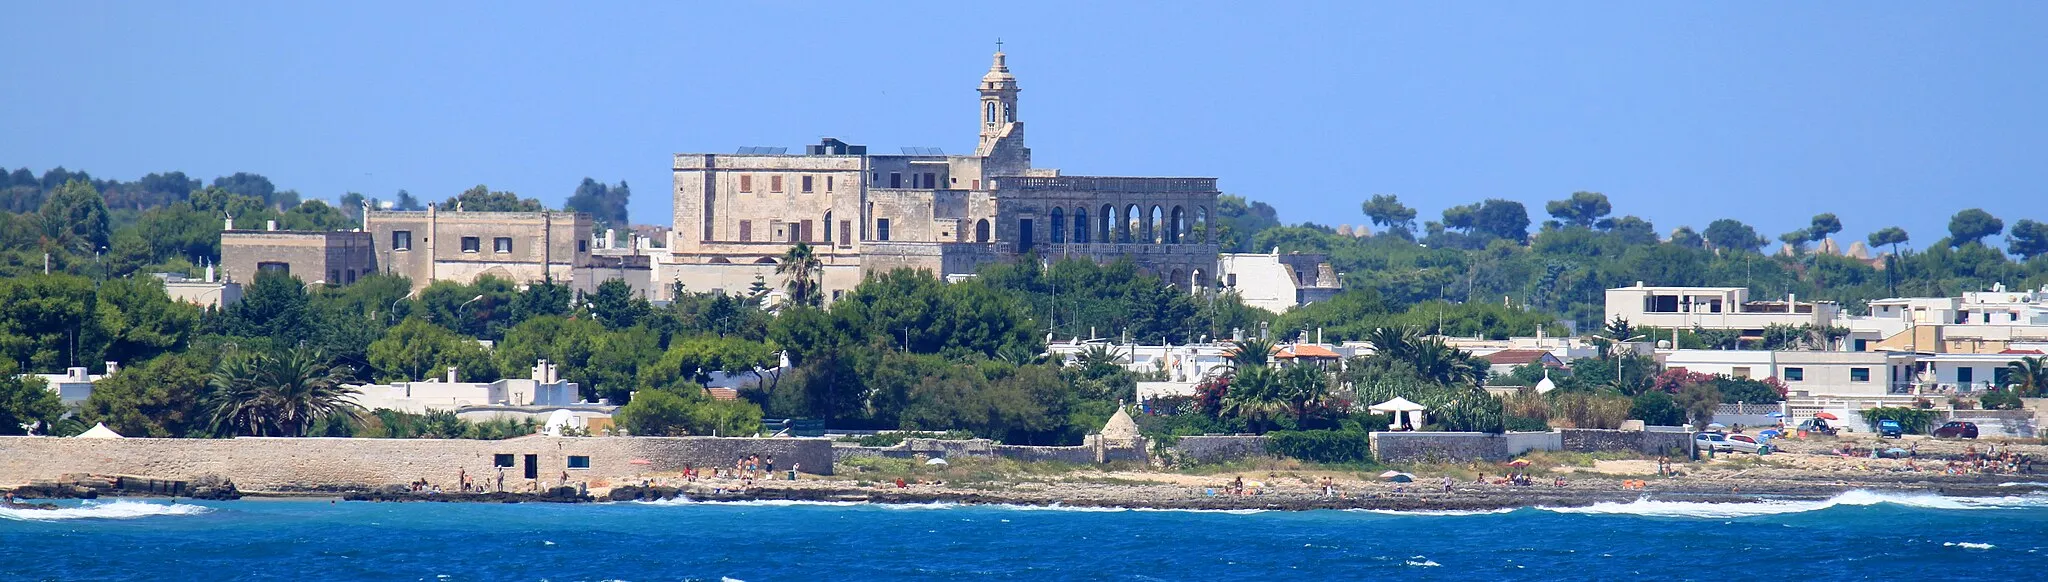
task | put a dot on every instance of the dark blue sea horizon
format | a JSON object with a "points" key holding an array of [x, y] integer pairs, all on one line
{"points": [[1859, 535]]}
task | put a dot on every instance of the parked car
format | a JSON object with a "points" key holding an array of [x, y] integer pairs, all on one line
{"points": [[1714, 441], [1956, 429], [1888, 428], [1817, 426], [1747, 444]]}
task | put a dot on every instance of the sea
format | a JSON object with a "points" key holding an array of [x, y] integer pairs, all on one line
{"points": [[1860, 535]]}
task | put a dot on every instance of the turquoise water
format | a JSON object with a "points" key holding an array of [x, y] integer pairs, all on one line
{"points": [[1857, 535]]}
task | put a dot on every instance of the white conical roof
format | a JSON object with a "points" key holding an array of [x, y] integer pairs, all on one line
{"points": [[1545, 386], [99, 431]]}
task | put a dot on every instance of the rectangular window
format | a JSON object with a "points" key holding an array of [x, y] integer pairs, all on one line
{"points": [[1740, 372], [1230, 280], [977, 183], [334, 276], [501, 460], [807, 184], [351, 276], [746, 231], [845, 233], [1863, 345], [579, 461], [746, 183], [1859, 374], [775, 184], [267, 267], [1965, 375], [931, 180], [837, 293], [881, 229], [501, 244], [582, 246], [1795, 374], [401, 240], [895, 179], [472, 244], [828, 183], [805, 230]]}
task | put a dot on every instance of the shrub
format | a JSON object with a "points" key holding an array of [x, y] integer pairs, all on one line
{"points": [[2001, 400], [1527, 424], [1656, 409], [1584, 410], [890, 439], [1913, 420], [1321, 446]]}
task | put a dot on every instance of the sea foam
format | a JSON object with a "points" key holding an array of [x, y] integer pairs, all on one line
{"points": [[1858, 498], [121, 509]]}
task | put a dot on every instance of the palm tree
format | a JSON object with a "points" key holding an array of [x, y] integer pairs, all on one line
{"points": [[1438, 362], [2029, 375], [1251, 353], [1393, 343], [1255, 396], [1302, 386], [802, 266], [280, 394]]}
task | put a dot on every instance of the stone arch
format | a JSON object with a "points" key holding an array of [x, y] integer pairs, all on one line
{"points": [[1202, 221], [1200, 279], [1179, 278], [1134, 224], [828, 228], [1107, 232], [1155, 225], [719, 261], [1081, 224], [981, 230], [765, 261], [1176, 225], [1059, 225]]}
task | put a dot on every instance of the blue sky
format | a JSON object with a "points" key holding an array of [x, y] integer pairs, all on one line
{"points": [[1886, 113]]}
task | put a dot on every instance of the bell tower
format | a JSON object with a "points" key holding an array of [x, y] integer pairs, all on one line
{"points": [[998, 98]]}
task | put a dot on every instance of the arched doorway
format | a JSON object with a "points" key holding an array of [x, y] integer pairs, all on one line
{"points": [[1059, 225], [1176, 225], [1081, 225], [1106, 233], [1135, 229], [1155, 226], [1202, 223], [981, 230]]}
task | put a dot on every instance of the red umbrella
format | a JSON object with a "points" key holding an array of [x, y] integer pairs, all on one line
{"points": [[1825, 416]]}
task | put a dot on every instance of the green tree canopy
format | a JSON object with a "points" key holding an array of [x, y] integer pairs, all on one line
{"points": [[1973, 225]]}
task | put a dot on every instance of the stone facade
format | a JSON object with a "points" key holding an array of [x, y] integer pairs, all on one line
{"points": [[349, 463], [948, 214], [522, 247], [336, 258]]}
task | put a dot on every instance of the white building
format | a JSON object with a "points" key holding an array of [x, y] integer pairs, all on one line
{"points": [[75, 384], [1278, 282], [1727, 308], [209, 291], [1985, 322], [543, 389]]}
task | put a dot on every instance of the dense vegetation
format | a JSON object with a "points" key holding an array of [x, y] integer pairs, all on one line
{"points": [[903, 350]]}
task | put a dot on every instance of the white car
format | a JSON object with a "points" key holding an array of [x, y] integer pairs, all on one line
{"points": [[1714, 441]]}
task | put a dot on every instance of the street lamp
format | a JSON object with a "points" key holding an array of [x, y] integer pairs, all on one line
{"points": [[459, 308], [1617, 359]]}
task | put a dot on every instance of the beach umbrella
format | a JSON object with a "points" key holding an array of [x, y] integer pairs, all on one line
{"points": [[1519, 463], [935, 461], [1776, 415], [1402, 478], [1826, 416], [1773, 433], [1717, 426], [1389, 474]]}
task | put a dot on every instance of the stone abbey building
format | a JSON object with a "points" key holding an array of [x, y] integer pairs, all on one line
{"points": [[735, 214]]}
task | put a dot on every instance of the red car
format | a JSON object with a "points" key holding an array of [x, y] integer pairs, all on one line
{"points": [[1956, 429]]}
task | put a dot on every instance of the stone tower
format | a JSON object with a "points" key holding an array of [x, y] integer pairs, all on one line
{"points": [[1002, 137], [998, 100]]}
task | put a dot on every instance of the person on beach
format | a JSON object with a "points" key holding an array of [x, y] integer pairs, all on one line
{"points": [[1447, 483], [900, 484]]}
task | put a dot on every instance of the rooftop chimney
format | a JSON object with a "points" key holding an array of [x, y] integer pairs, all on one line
{"points": [[269, 225], [113, 367], [451, 374]]}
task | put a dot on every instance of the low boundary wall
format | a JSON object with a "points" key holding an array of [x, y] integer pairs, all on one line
{"points": [[1403, 447], [359, 463]]}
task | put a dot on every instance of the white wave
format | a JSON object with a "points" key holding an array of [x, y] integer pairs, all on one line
{"points": [[120, 509], [1858, 498], [1968, 545], [1437, 512], [2023, 484], [1425, 563]]}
